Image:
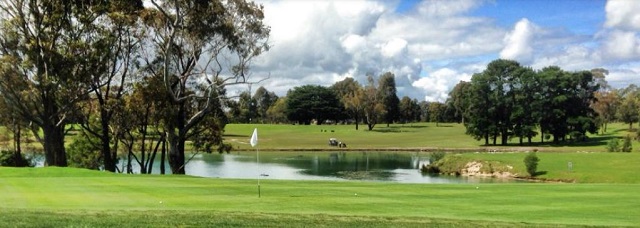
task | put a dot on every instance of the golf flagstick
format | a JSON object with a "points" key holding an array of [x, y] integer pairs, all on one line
{"points": [[254, 143]]}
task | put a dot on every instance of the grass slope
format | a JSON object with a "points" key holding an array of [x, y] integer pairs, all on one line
{"points": [[77, 197], [586, 167]]}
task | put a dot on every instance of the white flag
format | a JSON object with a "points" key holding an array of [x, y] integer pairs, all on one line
{"points": [[254, 138]]}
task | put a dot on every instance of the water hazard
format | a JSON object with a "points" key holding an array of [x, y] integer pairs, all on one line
{"points": [[401, 167]]}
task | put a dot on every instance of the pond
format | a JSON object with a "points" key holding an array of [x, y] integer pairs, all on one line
{"points": [[401, 167]]}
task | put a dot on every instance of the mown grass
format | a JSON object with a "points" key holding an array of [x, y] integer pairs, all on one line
{"points": [[406, 136], [73, 197]]}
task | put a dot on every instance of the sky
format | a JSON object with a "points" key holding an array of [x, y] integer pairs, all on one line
{"points": [[431, 45]]}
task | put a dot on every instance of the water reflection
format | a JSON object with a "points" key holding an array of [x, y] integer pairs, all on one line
{"points": [[400, 167]]}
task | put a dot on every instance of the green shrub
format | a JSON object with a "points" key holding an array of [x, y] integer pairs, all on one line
{"points": [[613, 145], [436, 156], [626, 145], [10, 158], [531, 162], [225, 147], [82, 153], [430, 169]]}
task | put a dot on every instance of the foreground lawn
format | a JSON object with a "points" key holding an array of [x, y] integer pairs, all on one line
{"points": [[66, 196]]}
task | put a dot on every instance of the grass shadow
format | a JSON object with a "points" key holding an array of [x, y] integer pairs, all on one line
{"points": [[387, 130], [593, 141], [235, 135], [540, 173]]}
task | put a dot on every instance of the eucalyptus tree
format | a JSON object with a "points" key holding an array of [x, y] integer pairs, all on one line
{"points": [[120, 30], [350, 93], [409, 109], [606, 104], [387, 90], [276, 112], [629, 109], [459, 98], [208, 44], [138, 123], [51, 47], [437, 112], [14, 125], [372, 103], [263, 99]]}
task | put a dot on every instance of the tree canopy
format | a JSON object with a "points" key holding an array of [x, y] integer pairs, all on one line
{"points": [[312, 102]]}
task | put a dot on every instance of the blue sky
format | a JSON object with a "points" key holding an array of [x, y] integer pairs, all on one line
{"points": [[430, 45], [579, 16]]}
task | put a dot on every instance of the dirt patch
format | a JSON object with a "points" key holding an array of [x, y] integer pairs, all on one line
{"points": [[474, 169]]}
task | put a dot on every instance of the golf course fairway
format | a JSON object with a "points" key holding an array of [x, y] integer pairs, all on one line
{"points": [[40, 197]]}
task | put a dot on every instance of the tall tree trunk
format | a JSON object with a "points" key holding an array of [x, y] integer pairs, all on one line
{"points": [[55, 154], [177, 140], [163, 156], [17, 138], [356, 116], [486, 138], [108, 158], [495, 137], [176, 153], [504, 137]]}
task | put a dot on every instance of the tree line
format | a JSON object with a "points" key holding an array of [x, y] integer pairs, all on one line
{"points": [[345, 102], [124, 77], [508, 100]]}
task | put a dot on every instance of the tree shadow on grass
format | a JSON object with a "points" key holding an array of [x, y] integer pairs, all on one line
{"points": [[235, 135], [387, 130], [590, 142], [540, 173]]}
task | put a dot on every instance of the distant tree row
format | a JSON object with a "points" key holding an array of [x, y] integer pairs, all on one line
{"points": [[346, 101], [508, 100], [621, 105]]}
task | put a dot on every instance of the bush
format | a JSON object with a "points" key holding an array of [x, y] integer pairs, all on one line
{"points": [[10, 158], [531, 162], [613, 145], [225, 147], [626, 145], [430, 169], [436, 156], [82, 153]]}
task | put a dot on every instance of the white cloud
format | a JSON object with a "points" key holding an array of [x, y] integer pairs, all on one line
{"points": [[394, 47], [623, 14], [518, 42], [353, 43], [439, 83], [321, 42], [622, 45], [446, 8]]}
